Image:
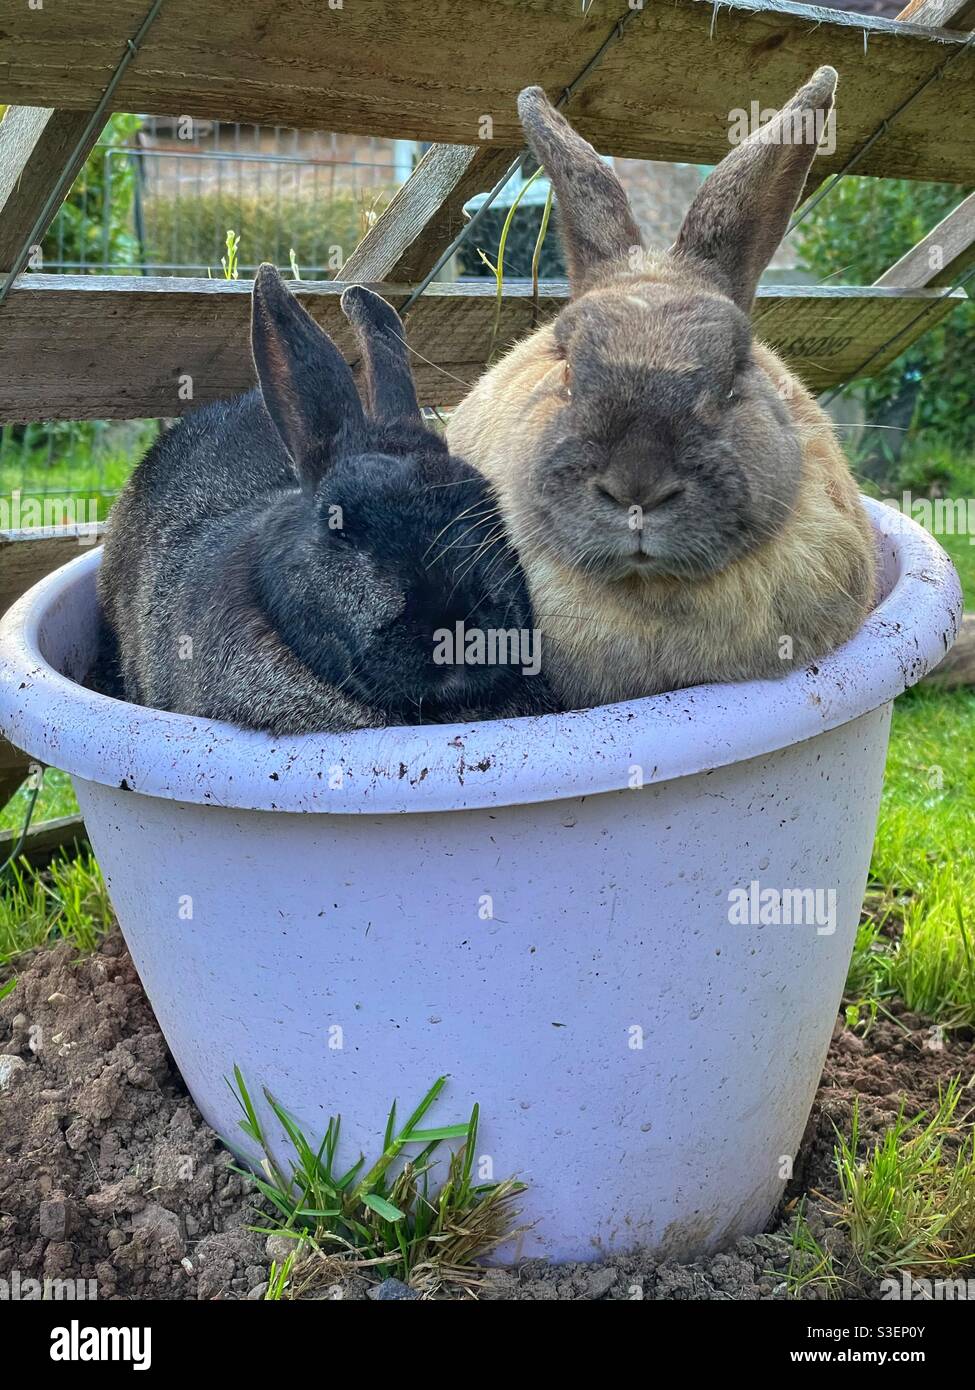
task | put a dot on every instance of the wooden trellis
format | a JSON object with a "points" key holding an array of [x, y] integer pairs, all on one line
{"points": [[448, 71], [653, 81]]}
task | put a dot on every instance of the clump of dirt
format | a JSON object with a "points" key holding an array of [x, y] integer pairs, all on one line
{"points": [[107, 1170], [109, 1173]]}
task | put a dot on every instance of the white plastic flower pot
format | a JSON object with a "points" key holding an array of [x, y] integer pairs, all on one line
{"points": [[623, 931]]}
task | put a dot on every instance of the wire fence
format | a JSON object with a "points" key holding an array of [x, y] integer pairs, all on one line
{"points": [[158, 197]]}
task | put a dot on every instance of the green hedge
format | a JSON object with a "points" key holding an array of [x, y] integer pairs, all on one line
{"points": [[192, 230], [858, 232]]}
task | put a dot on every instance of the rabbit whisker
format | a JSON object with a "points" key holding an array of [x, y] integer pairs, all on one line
{"points": [[469, 566], [453, 521], [461, 540], [435, 365]]}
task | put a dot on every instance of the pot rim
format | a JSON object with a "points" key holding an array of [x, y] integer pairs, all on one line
{"points": [[447, 767]]}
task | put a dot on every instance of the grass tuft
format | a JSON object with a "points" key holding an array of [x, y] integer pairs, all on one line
{"points": [[910, 1202], [810, 1265], [384, 1221], [68, 901]]}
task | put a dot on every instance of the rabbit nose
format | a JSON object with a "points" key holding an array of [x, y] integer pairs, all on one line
{"points": [[628, 493]]}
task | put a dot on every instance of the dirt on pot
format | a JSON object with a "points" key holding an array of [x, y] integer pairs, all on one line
{"points": [[108, 1173]]}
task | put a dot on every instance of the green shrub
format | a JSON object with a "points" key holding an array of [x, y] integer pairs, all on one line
{"points": [[191, 230], [82, 232], [858, 232]]}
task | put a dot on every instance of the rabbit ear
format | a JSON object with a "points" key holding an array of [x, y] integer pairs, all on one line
{"points": [[307, 387], [595, 220], [742, 210], [382, 341]]}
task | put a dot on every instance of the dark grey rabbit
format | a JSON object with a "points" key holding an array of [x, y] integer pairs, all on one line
{"points": [[283, 560]]}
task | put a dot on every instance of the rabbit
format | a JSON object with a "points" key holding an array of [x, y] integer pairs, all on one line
{"points": [[678, 500], [285, 562]]}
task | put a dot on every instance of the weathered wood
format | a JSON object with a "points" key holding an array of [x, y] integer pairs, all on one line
{"points": [[46, 841], [14, 767], [435, 71], [77, 347], [958, 667], [949, 249], [940, 14], [426, 214], [941, 257], [28, 555], [38, 145]]}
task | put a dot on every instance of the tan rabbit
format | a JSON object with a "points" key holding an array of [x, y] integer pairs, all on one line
{"points": [[679, 501]]}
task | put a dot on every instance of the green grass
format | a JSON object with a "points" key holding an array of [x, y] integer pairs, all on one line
{"points": [[56, 799], [810, 1265], [962, 554], [905, 1202], [382, 1220], [67, 902], [85, 465], [909, 1201], [918, 937]]}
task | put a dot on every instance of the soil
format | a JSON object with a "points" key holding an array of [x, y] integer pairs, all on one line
{"points": [[109, 1173]]}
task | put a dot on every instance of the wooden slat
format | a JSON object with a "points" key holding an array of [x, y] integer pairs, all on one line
{"points": [[77, 347], [426, 214], [37, 146], [14, 767], [433, 71], [28, 555], [44, 842], [942, 256], [940, 14]]}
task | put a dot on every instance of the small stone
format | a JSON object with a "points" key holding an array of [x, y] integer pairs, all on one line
{"points": [[76, 1135], [11, 1070], [257, 1292], [600, 1281], [279, 1248], [55, 1218], [391, 1290]]}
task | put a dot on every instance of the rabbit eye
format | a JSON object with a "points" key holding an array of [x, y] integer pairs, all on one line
{"points": [[732, 395]]}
